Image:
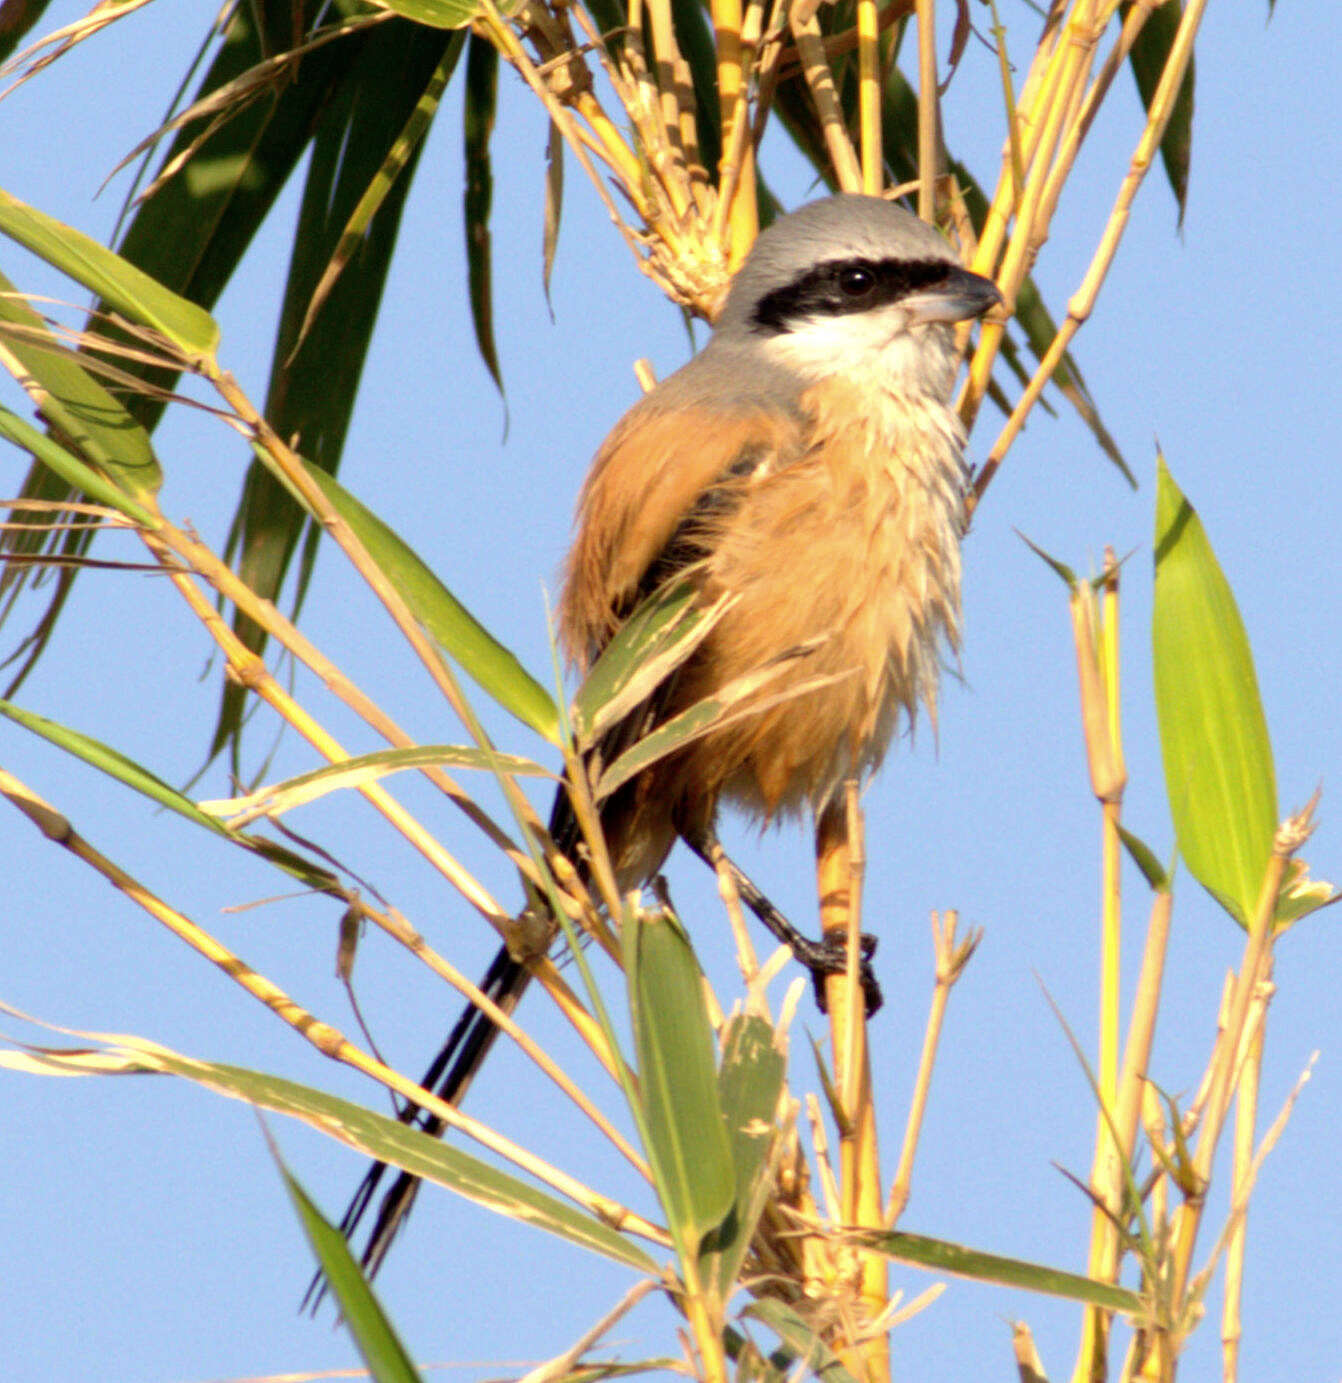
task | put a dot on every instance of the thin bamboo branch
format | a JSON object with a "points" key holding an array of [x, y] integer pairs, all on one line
{"points": [[250, 671], [263, 613], [869, 96], [1079, 125], [323, 1036], [928, 111], [1082, 302], [1246, 1116], [820, 82], [851, 1061], [951, 960], [1257, 951], [746, 957]]}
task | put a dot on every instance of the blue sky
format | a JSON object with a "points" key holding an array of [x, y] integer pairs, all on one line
{"points": [[147, 1236]]}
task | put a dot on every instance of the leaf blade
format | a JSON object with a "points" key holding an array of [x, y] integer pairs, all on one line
{"points": [[688, 1147], [943, 1256], [369, 1133], [374, 1337], [1213, 734], [115, 280], [493, 666]]}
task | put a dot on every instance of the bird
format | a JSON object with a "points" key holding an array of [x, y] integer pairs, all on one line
{"points": [[805, 467]]}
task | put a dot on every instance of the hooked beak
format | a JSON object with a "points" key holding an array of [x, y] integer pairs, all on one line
{"points": [[958, 297]]}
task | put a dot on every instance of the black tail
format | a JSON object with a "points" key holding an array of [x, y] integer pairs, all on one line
{"points": [[449, 1076]]}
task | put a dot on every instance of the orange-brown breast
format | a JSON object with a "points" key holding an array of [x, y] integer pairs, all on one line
{"points": [[843, 541]]}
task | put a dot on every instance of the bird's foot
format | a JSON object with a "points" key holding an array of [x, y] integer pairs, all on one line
{"points": [[830, 957]]}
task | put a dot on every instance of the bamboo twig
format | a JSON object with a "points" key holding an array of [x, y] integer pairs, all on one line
{"points": [[203, 561], [820, 81], [250, 671], [1246, 1116], [951, 960], [928, 119], [1290, 836], [1082, 302], [327, 1039]]}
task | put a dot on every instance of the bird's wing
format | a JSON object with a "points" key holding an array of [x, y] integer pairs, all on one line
{"points": [[659, 475]]}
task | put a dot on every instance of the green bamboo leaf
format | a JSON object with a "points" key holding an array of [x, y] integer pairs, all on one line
{"points": [[1148, 57], [1061, 569], [115, 280], [739, 699], [943, 1257], [440, 14], [368, 1133], [493, 666], [393, 72], [393, 166], [1213, 735], [360, 1310], [800, 1339], [482, 83], [71, 469], [750, 1083], [1145, 859], [112, 762], [277, 798], [1300, 895], [90, 419], [664, 630], [688, 1146], [138, 778]]}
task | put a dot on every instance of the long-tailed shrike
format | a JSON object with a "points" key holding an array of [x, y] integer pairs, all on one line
{"points": [[807, 463]]}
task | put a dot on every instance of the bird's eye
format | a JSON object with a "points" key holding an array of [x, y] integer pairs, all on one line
{"points": [[856, 281]]}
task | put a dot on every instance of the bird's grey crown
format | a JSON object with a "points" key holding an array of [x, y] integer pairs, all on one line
{"points": [[846, 227]]}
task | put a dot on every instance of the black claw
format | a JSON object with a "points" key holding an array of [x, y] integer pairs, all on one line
{"points": [[830, 957], [821, 958]]}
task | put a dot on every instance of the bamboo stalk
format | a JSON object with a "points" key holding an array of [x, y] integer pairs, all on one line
{"points": [[733, 229], [1112, 850], [1095, 634], [928, 112], [869, 96], [820, 82], [1246, 1116], [859, 1158], [736, 173]]}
